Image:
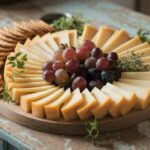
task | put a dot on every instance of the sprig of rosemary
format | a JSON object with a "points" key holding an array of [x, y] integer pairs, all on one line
{"points": [[144, 35], [73, 22], [132, 62], [92, 128]]}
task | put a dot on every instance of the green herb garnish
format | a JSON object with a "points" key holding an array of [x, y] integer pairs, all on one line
{"points": [[132, 63], [92, 128], [144, 35], [73, 22]]}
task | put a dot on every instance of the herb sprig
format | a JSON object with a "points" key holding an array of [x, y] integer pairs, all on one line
{"points": [[132, 62], [144, 35], [73, 22]]}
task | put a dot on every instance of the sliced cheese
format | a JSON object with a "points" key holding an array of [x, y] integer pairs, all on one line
{"points": [[53, 110], [118, 101], [69, 110], [34, 63], [136, 75], [104, 103], [38, 106], [26, 100], [90, 102], [32, 67], [88, 32], [129, 95], [103, 34], [73, 37], [143, 52], [129, 44], [118, 38], [36, 39], [27, 42], [143, 94], [146, 59], [18, 92]]}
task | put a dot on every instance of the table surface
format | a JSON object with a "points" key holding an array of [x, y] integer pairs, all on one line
{"points": [[100, 13]]}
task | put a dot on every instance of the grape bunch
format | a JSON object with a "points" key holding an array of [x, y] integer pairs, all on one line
{"points": [[85, 67]]}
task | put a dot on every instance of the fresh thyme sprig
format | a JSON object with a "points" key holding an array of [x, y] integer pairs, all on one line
{"points": [[73, 22], [144, 35], [18, 60], [132, 62], [92, 128]]}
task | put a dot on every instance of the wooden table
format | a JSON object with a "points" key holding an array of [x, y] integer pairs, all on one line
{"points": [[15, 136]]}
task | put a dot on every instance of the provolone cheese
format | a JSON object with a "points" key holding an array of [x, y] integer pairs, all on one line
{"points": [[73, 37]]}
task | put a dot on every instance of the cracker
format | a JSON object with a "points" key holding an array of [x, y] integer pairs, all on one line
{"points": [[2, 54]]}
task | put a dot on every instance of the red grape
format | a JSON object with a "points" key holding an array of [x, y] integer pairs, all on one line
{"points": [[80, 83], [48, 76], [102, 63], [88, 45], [72, 66], [47, 66], [82, 53], [95, 83], [90, 62], [58, 65], [97, 53], [69, 54], [112, 56]]}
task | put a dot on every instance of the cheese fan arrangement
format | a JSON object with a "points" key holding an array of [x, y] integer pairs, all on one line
{"points": [[63, 76]]}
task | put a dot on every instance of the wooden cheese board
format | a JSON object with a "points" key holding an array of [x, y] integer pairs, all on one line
{"points": [[108, 124]]}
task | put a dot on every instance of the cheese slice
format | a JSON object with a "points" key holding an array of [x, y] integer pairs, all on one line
{"points": [[118, 38], [53, 110], [146, 59], [103, 35], [143, 94], [104, 102], [18, 92], [26, 100], [27, 42], [144, 52], [32, 62], [36, 39], [61, 37], [38, 106], [73, 37], [48, 39], [129, 95], [69, 110], [89, 32], [84, 111], [118, 101], [127, 45], [32, 67], [135, 48], [94, 38], [136, 75]]}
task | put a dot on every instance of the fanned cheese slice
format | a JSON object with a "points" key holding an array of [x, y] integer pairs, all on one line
{"points": [[18, 92], [26, 100], [36, 39], [53, 110], [135, 48], [102, 36], [136, 75], [143, 94], [32, 67], [32, 62], [146, 59], [48, 39], [61, 37], [27, 42], [90, 102], [38, 106], [104, 102], [118, 38], [73, 37], [89, 32], [127, 45], [144, 52], [69, 110], [129, 95], [118, 101]]}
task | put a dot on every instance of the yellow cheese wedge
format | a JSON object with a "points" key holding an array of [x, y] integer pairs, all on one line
{"points": [[104, 103], [48, 39], [103, 35], [135, 48], [26, 100], [35, 63], [118, 38], [118, 101], [73, 37], [146, 59], [53, 110], [18, 92], [127, 45], [94, 38], [69, 110], [61, 37], [90, 102], [129, 95], [143, 94], [32, 67], [88, 32], [27, 42], [36, 39], [136, 75], [38, 106], [144, 52]]}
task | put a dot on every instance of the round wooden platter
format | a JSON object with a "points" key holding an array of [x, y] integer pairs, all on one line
{"points": [[14, 113]]}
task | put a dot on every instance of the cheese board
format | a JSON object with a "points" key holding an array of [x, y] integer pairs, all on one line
{"points": [[108, 124]]}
